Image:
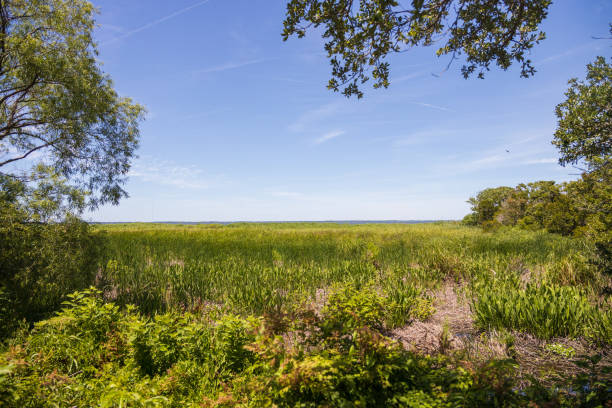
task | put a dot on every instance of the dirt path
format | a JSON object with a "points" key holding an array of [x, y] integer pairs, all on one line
{"points": [[428, 336]]}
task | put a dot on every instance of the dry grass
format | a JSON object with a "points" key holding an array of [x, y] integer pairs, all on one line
{"points": [[450, 311], [463, 340]]}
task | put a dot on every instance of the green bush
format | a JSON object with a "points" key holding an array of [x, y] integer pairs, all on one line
{"points": [[41, 263], [93, 354], [349, 309]]}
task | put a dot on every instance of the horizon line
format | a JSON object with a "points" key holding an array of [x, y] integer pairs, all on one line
{"points": [[389, 221]]}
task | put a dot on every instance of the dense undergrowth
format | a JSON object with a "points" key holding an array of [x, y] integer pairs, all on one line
{"points": [[304, 315], [258, 268], [96, 354]]}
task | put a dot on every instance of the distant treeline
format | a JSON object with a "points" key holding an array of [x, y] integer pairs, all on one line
{"points": [[580, 208]]}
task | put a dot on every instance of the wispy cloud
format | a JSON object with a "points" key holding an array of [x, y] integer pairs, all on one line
{"points": [[312, 57], [487, 161], [429, 105], [565, 53], [329, 136], [408, 77], [506, 159], [113, 28], [230, 65], [550, 160], [306, 119], [155, 22], [167, 173]]}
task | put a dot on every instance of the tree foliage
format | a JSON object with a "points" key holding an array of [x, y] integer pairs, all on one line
{"points": [[580, 208], [360, 35], [41, 260], [584, 132], [55, 102], [584, 136], [487, 203], [538, 205]]}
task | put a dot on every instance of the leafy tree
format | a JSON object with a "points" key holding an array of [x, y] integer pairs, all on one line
{"points": [[593, 196], [538, 205], [360, 35], [66, 142], [56, 103], [486, 204], [584, 135], [584, 132], [538, 197], [513, 208]]}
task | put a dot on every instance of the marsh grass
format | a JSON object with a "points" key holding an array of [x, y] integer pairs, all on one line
{"points": [[251, 266], [277, 268]]}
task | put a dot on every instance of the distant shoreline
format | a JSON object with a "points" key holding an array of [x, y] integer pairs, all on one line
{"points": [[274, 222]]}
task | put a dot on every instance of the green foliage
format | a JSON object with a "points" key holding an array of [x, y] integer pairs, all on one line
{"points": [[593, 194], [583, 136], [329, 295], [349, 309], [232, 335], [40, 263], [584, 132], [593, 386], [470, 219], [95, 354], [164, 267], [560, 349], [170, 338], [360, 36], [405, 302], [538, 205], [582, 207], [575, 208], [56, 101], [487, 203], [160, 343], [544, 309]]}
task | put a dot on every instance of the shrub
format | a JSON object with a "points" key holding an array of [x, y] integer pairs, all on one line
{"points": [[93, 354], [42, 263], [349, 309]]}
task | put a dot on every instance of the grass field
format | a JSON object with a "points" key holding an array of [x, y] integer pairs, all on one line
{"points": [[261, 267], [285, 314], [532, 282]]}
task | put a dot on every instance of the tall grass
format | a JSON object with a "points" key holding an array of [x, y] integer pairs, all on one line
{"points": [[257, 268], [546, 310]]}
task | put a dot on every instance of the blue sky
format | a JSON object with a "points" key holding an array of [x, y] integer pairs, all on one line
{"points": [[240, 125]]}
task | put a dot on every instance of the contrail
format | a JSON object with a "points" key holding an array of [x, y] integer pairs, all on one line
{"points": [[156, 22], [231, 65], [429, 105]]}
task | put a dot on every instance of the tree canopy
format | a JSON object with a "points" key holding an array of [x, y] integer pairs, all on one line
{"points": [[584, 136], [584, 132], [56, 105], [360, 35]]}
